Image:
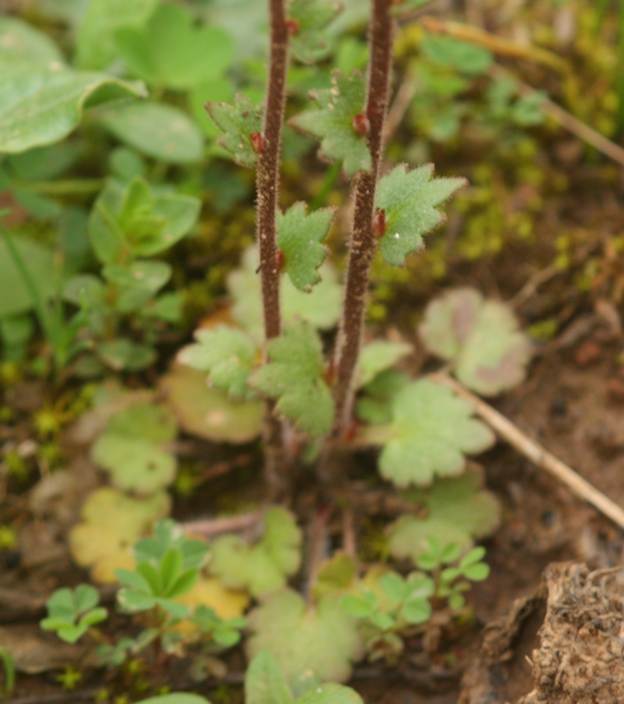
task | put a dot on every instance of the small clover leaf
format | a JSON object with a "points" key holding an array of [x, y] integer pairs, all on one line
{"points": [[238, 123], [110, 524], [333, 122], [320, 307], [479, 337], [299, 235], [294, 377], [410, 200], [71, 612], [227, 355], [428, 435], [311, 17], [322, 640], [377, 357], [133, 448], [458, 511], [263, 566]]}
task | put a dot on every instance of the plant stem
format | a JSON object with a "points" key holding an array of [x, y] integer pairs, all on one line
{"points": [[267, 188], [363, 241]]}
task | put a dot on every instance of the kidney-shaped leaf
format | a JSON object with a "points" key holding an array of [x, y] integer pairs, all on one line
{"points": [[479, 337]]}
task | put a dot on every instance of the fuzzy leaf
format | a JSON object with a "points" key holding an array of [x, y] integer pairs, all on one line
{"points": [[265, 682], [111, 522], [430, 432], [309, 43], [209, 413], [227, 355], [332, 122], [459, 511], [172, 50], [378, 356], [237, 122], [320, 307], [294, 377], [264, 566], [321, 643], [158, 130], [299, 237], [132, 448], [479, 337], [410, 200]]}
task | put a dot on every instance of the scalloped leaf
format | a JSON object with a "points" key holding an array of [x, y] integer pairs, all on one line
{"points": [[133, 448], [428, 435], [111, 522], [320, 307], [309, 643], [309, 42], [459, 511], [263, 566], [299, 237], [209, 413], [410, 201], [480, 338], [237, 122], [377, 357], [228, 355], [332, 122], [293, 376]]}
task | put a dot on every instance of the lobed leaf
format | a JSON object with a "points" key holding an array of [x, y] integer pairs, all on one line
{"points": [[410, 201], [479, 337], [312, 17], [332, 122], [237, 122], [428, 435], [377, 357], [293, 376], [299, 237]]}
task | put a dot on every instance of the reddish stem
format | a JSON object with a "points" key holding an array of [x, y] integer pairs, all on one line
{"points": [[363, 241]]}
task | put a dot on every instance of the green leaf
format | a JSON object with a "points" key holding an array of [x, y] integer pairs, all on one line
{"points": [[137, 283], [332, 122], [265, 682], [309, 41], [125, 354], [134, 218], [208, 412], [158, 130], [133, 448], [100, 21], [430, 432], [330, 694], [453, 53], [320, 307], [409, 200], [172, 50], [458, 512], [15, 296], [260, 567], [227, 355], [479, 337], [294, 377], [378, 356], [40, 106], [299, 235], [375, 407], [237, 122], [175, 698], [20, 41], [308, 642]]}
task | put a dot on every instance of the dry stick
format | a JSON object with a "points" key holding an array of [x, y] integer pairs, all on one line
{"points": [[536, 453], [363, 242], [267, 188], [208, 527]]}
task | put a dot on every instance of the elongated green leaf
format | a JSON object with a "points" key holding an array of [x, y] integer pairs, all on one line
{"points": [[161, 131]]}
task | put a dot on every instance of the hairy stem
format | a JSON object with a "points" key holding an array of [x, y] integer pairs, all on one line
{"points": [[363, 241], [267, 188]]}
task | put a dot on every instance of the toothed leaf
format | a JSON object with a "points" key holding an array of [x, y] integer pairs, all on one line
{"points": [[238, 122], [332, 122], [309, 41], [377, 357], [293, 376], [299, 235], [479, 337], [410, 200]]}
